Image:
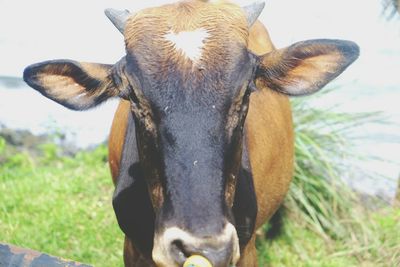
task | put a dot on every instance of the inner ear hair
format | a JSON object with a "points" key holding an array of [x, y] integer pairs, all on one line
{"points": [[305, 67], [73, 84]]}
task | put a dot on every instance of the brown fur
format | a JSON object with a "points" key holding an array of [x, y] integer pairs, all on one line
{"points": [[145, 33], [117, 138], [270, 142], [150, 77]]}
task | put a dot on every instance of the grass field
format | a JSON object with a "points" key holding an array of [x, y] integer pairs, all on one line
{"points": [[62, 206]]}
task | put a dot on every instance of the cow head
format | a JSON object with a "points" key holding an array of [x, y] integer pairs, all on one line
{"points": [[188, 75]]}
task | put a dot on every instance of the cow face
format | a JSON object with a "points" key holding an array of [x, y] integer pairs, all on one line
{"points": [[189, 89], [188, 75]]}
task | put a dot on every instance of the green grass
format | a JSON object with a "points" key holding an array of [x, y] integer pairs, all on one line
{"points": [[300, 246], [60, 206]]}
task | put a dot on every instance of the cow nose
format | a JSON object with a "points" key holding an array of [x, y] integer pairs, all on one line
{"points": [[176, 247], [209, 254]]}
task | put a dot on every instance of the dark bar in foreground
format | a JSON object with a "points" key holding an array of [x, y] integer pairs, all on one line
{"points": [[12, 256]]}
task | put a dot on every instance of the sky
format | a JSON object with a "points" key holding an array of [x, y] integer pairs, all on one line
{"points": [[45, 29], [33, 31]]}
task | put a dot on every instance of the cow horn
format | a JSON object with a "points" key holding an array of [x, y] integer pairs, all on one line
{"points": [[253, 11], [118, 17]]}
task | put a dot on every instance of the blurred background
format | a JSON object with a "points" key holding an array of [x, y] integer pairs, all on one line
{"points": [[44, 29], [367, 95]]}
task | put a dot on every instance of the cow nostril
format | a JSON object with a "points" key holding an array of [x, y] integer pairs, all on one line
{"points": [[177, 245], [180, 251], [188, 255]]}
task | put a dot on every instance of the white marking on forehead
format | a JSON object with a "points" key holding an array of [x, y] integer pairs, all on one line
{"points": [[190, 43]]}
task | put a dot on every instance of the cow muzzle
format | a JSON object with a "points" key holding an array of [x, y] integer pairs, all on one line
{"points": [[174, 246]]}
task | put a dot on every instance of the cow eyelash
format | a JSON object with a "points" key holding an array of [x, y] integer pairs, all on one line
{"points": [[251, 87]]}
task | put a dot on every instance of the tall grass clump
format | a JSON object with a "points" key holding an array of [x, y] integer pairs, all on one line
{"points": [[318, 194], [321, 203]]}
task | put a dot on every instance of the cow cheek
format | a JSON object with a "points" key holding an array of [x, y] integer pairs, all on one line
{"points": [[156, 195], [230, 190]]}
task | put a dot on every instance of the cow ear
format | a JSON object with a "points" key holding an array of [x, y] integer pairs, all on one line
{"points": [[305, 67], [75, 85]]}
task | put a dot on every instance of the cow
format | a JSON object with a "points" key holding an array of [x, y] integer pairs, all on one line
{"points": [[201, 148]]}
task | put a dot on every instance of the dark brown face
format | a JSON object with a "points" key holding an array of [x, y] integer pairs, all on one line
{"points": [[188, 74], [189, 91]]}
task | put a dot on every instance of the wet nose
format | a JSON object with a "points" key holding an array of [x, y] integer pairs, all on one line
{"points": [[176, 247], [207, 254]]}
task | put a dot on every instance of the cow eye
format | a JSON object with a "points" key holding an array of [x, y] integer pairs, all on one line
{"points": [[134, 93], [249, 89], [252, 86], [133, 97]]}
